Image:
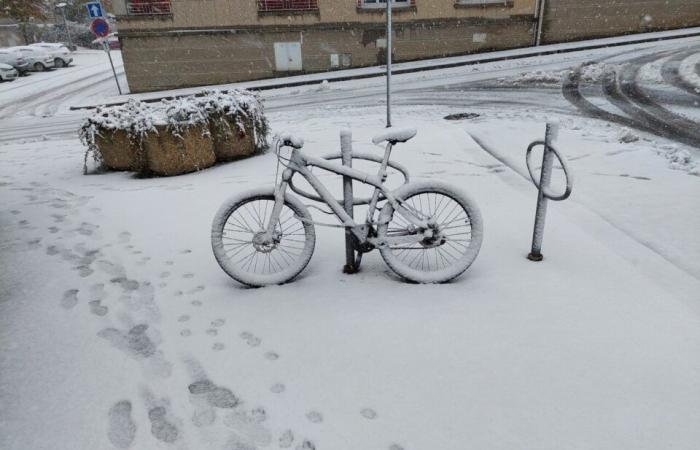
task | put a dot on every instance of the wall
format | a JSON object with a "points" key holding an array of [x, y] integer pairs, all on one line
{"points": [[162, 61], [567, 20]]}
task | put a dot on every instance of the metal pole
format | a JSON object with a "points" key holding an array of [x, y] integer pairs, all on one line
{"points": [[106, 46], [346, 153], [545, 179], [65, 24], [388, 63], [540, 21]]}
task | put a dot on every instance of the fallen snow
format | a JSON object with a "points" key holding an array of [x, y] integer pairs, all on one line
{"points": [[133, 332]]}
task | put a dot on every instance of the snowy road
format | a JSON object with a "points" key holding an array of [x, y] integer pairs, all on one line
{"points": [[118, 329]]}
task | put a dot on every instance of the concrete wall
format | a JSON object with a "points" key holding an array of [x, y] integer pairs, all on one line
{"points": [[568, 20], [167, 60]]}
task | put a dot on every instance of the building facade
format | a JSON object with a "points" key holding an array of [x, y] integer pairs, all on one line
{"points": [[179, 43]]}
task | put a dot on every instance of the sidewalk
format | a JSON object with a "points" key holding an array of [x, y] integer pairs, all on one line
{"points": [[407, 67], [582, 350]]}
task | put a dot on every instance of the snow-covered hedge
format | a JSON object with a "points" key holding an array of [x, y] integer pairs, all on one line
{"points": [[239, 114]]}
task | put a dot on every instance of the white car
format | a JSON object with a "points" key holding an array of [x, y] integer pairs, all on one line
{"points": [[61, 54], [38, 58], [15, 59], [7, 72]]}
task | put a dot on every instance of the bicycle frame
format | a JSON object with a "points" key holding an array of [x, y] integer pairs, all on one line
{"points": [[300, 163]]}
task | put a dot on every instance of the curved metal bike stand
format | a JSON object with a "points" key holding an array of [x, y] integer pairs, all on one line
{"points": [[544, 193], [353, 255]]}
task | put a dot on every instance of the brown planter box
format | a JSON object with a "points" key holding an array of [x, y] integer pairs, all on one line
{"points": [[117, 150], [167, 154], [230, 142]]}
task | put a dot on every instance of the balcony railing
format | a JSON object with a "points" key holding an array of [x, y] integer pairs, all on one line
{"points": [[287, 5], [148, 7]]}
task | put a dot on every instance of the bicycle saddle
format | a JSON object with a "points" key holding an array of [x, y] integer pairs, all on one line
{"points": [[394, 135], [291, 141]]}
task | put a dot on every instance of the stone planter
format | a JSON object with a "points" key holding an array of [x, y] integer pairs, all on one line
{"points": [[118, 150], [230, 142], [168, 154]]}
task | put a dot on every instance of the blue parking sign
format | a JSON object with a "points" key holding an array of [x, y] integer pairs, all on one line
{"points": [[94, 9]]}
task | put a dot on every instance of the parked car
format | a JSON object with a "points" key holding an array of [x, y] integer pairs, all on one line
{"points": [[15, 59], [61, 54], [38, 58], [7, 72]]}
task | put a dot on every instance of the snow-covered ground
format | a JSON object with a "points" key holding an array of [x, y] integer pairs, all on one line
{"points": [[119, 330]]}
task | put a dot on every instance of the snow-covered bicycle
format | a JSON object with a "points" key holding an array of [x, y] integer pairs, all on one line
{"points": [[426, 232]]}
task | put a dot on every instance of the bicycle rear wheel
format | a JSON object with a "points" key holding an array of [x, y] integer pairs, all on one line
{"points": [[238, 239], [457, 233]]}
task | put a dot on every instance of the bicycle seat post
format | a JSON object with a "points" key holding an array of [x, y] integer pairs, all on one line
{"points": [[382, 175]]}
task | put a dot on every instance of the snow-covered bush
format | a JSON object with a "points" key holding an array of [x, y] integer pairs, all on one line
{"points": [[245, 109], [138, 123]]}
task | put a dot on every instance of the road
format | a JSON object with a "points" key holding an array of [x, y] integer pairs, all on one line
{"points": [[46, 98]]}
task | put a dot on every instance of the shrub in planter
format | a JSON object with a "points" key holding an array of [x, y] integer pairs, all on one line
{"points": [[113, 136], [237, 123], [180, 140], [176, 136], [168, 154], [118, 150]]}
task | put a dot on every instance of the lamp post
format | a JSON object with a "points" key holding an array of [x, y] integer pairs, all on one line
{"points": [[388, 63], [62, 7]]}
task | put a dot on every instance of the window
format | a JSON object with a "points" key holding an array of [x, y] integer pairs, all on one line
{"points": [[382, 3], [287, 5], [484, 3], [148, 7]]}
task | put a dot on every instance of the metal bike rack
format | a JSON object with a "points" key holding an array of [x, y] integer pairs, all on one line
{"points": [[544, 193], [353, 255]]}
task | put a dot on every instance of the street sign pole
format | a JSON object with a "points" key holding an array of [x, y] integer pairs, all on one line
{"points": [[106, 46], [388, 63]]}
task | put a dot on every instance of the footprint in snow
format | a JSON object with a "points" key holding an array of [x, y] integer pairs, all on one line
{"points": [[218, 322], [97, 309], [272, 356], [218, 346], [186, 332], [250, 339], [196, 303], [70, 298], [188, 275], [369, 413], [195, 290], [124, 237], [277, 388], [286, 439], [249, 427], [183, 318], [212, 331], [122, 428], [314, 417], [161, 428]]}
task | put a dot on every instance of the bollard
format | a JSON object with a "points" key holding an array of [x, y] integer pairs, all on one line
{"points": [[346, 155], [548, 155]]}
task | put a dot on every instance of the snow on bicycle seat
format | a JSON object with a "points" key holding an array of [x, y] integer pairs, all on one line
{"points": [[395, 135], [292, 141]]}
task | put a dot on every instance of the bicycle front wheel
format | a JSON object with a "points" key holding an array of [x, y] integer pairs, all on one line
{"points": [[247, 253], [455, 239]]}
